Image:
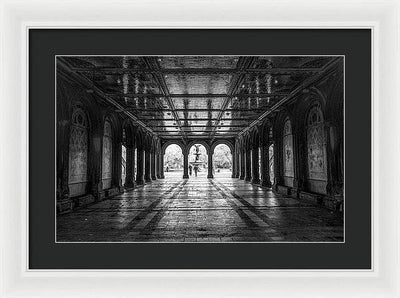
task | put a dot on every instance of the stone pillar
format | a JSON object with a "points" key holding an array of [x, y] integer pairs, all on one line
{"points": [[140, 166], [158, 168], [210, 165], [95, 158], [255, 170], [277, 165], [130, 167], [234, 165], [266, 180], [147, 166], [247, 176], [162, 166], [242, 156], [117, 166], [63, 202], [237, 156], [185, 166], [153, 166]]}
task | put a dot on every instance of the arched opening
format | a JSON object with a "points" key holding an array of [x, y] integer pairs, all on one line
{"points": [[271, 163], [287, 154], [259, 162], [78, 154], [123, 157], [135, 166], [222, 160], [173, 161], [123, 164], [316, 151], [107, 156], [198, 161]]}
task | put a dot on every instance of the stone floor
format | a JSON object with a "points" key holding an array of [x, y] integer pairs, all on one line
{"points": [[200, 210]]}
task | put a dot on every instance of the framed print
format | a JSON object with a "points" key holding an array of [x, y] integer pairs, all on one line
{"points": [[218, 158], [201, 154]]}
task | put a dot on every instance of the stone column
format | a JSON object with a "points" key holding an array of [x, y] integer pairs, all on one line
{"points": [[266, 180], [210, 165], [117, 166], [140, 166], [95, 158], [147, 166], [242, 156], [162, 166], [63, 202], [153, 166], [185, 166], [277, 165], [247, 176], [234, 165], [237, 156], [158, 169], [130, 167], [255, 170]]}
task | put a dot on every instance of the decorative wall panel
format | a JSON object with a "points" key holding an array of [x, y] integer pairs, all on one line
{"points": [[288, 168], [316, 145], [107, 156], [78, 154]]}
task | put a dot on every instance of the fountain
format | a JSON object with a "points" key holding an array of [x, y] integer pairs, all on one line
{"points": [[197, 163]]}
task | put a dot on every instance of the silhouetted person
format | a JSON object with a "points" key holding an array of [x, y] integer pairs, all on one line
{"points": [[167, 169], [196, 169], [190, 170]]}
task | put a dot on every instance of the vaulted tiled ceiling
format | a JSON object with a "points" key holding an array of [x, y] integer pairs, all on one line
{"points": [[195, 96]]}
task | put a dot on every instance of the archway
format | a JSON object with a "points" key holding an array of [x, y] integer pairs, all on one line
{"points": [[123, 163], [271, 163], [107, 156], [197, 161], [222, 161], [173, 161], [78, 153]]}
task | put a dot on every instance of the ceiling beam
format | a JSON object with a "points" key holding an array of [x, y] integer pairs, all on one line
{"points": [[86, 83], [198, 71], [325, 70], [171, 126], [244, 63], [205, 95], [153, 65], [194, 110], [197, 119]]}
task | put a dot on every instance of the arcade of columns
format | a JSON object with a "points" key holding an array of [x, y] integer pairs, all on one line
{"points": [[306, 134]]}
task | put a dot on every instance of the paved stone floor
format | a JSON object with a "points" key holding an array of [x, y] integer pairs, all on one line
{"points": [[200, 210]]}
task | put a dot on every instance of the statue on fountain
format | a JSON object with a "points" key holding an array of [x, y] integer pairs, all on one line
{"points": [[196, 163]]}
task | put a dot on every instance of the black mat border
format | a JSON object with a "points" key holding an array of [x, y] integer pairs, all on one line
{"points": [[355, 44]]}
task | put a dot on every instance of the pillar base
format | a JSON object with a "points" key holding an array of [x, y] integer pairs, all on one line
{"points": [[241, 177], [210, 176], [129, 185], [185, 176], [154, 178], [256, 181], [162, 177], [266, 183], [247, 179], [158, 176], [140, 182]]}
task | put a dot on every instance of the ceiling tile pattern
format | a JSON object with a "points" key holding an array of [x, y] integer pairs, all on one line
{"points": [[196, 96]]}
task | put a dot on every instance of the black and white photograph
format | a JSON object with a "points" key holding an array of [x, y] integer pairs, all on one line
{"points": [[200, 148]]}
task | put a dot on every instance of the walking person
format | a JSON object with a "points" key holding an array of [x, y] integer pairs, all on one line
{"points": [[190, 170]]}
